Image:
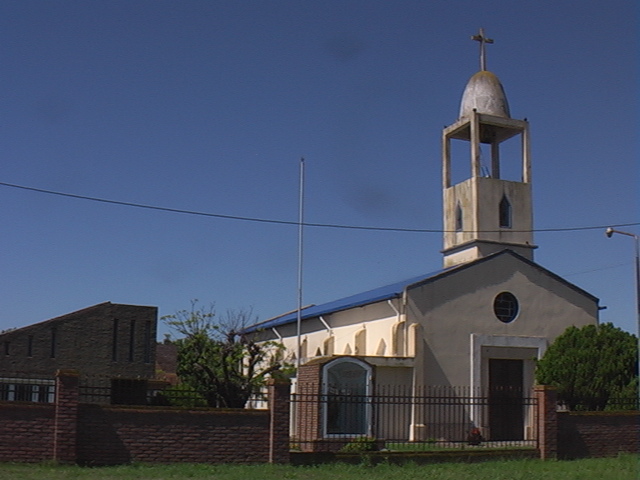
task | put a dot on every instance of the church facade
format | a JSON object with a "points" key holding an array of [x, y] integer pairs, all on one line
{"points": [[480, 321]]}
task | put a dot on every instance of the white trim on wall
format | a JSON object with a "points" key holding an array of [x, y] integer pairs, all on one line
{"points": [[367, 394], [478, 341]]}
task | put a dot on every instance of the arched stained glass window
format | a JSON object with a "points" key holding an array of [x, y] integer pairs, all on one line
{"points": [[347, 403]]}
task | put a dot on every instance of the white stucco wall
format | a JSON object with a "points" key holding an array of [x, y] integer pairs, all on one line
{"points": [[456, 307], [449, 323], [372, 323]]}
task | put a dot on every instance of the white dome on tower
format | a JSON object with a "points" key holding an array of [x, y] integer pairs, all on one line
{"points": [[485, 94]]}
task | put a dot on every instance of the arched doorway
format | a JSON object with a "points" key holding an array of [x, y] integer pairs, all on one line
{"points": [[347, 397]]}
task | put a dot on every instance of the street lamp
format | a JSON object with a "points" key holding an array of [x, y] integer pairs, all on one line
{"points": [[609, 232]]}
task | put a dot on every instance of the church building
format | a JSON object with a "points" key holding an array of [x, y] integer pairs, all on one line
{"points": [[479, 322]]}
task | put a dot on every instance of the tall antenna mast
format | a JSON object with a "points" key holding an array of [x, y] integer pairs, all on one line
{"points": [[300, 259]]}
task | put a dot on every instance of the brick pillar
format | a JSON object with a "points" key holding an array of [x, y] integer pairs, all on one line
{"points": [[547, 421], [66, 416], [308, 419], [279, 408]]}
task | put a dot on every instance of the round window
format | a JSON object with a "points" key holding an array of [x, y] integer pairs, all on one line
{"points": [[505, 306]]}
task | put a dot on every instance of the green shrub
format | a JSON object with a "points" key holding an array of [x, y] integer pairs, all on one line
{"points": [[593, 367], [360, 444], [180, 395]]}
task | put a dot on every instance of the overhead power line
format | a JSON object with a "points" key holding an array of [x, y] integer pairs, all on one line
{"points": [[286, 222], [609, 267]]}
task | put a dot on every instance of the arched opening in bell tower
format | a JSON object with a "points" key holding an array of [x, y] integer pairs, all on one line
{"points": [[459, 221], [504, 213]]}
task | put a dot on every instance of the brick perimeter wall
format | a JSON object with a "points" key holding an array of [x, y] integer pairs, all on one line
{"points": [[110, 436], [547, 421], [26, 432], [598, 434], [279, 416], [65, 428], [308, 414], [569, 435]]}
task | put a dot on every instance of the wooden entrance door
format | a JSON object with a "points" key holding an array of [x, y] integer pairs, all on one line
{"points": [[506, 402]]}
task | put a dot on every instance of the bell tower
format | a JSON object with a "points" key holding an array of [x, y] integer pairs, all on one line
{"points": [[484, 213]]}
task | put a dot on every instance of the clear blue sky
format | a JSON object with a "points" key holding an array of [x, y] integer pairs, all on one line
{"points": [[208, 106]]}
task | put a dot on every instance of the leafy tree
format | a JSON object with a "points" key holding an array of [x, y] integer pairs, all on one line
{"points": [[181, 395], [591, 366], [218, 363]]}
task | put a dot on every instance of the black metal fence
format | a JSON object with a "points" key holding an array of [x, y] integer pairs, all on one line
{"points": [[411, 419], [333, 418], [106, 390], [602, 404], [137, 391]]}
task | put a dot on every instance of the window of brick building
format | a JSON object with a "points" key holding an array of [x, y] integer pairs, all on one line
{"points": [[147, 342], [54, 341], [114, 341], [132, 340], [27, 390]]}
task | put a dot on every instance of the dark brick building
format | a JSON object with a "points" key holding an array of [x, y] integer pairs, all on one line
{"points": [[108, 339]]}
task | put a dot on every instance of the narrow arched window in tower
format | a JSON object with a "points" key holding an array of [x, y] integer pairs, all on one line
{"points": [[458, 218], [505, 212]]}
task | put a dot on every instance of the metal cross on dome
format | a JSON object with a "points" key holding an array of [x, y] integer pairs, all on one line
{"points": [[483, 41]]}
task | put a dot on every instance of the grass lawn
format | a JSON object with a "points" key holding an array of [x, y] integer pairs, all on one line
{"points": [[620, 468]]}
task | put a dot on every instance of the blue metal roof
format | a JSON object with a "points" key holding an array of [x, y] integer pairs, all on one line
{"points": [[365, 298], [393, 291]]}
